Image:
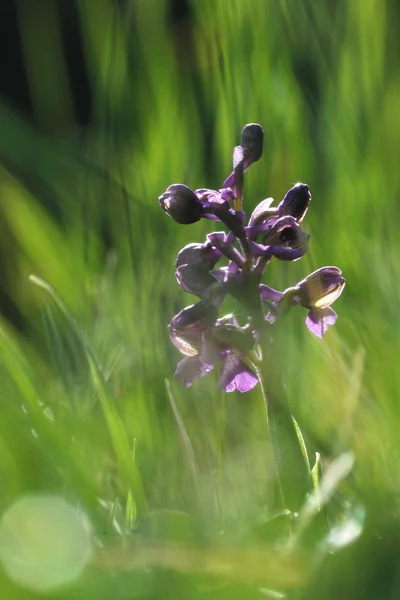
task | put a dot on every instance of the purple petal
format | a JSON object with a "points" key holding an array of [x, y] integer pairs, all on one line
{"points": [[268, 293], [191, 368], [288, 253], [229, 181], [236, 375], [244, 162], [318, 320], [200, 254], [228, 274], [194, 279], [219, 241], [227, 194], [261, 211], [260, 250], [238, 156]]}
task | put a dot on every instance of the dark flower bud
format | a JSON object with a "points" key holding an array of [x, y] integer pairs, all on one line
{"points": [[181, 204], [321, 288], [202, 255], [252, 143], [187, 327], [295, 202]]}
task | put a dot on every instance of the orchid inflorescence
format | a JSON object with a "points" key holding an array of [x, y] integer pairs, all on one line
{"points": [[197, 331]]}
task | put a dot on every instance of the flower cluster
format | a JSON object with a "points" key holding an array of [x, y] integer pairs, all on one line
{"points": [[271, 232]]}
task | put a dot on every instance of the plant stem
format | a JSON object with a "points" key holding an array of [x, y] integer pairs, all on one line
{"points": [[275, 448]]}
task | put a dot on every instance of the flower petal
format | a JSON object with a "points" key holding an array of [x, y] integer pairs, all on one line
{"points": [[198, 254], [261, 212], [219, 241], [194, 279], [191, 368], [187, 327], [318, 320], [268, 293], [236, 375]]}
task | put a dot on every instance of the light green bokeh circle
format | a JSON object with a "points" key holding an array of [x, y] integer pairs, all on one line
{"points": [[45, 542]]}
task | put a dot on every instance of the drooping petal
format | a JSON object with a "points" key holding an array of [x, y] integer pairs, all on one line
{"points": [[191, 368], [236, 375], [318, 320]]}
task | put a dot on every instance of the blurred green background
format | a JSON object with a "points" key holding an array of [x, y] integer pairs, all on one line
{"points": [[105, 104]]}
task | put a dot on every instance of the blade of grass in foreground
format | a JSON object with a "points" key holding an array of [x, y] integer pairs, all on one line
{"points": [[118, 434]]}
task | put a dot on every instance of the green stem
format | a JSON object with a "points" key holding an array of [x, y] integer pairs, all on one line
{"points": [[275, 450]]}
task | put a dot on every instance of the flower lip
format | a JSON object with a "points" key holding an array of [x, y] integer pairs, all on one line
{"points": [[181, 204], [321, 288]]}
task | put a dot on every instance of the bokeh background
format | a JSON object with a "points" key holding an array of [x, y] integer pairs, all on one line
{"points": [[103, 105]]}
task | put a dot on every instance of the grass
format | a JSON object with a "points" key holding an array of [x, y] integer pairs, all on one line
{"points": [[178, 484]]}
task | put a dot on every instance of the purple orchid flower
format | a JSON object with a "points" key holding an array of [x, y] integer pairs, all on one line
{"points": [[198, 332], [294, 204], [193, 265], [285, 239], [226, 343], [316, 292]]}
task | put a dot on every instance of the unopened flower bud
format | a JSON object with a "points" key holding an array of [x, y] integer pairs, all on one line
{"points": [[181, 204], [252, 142], [295, 202]]}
